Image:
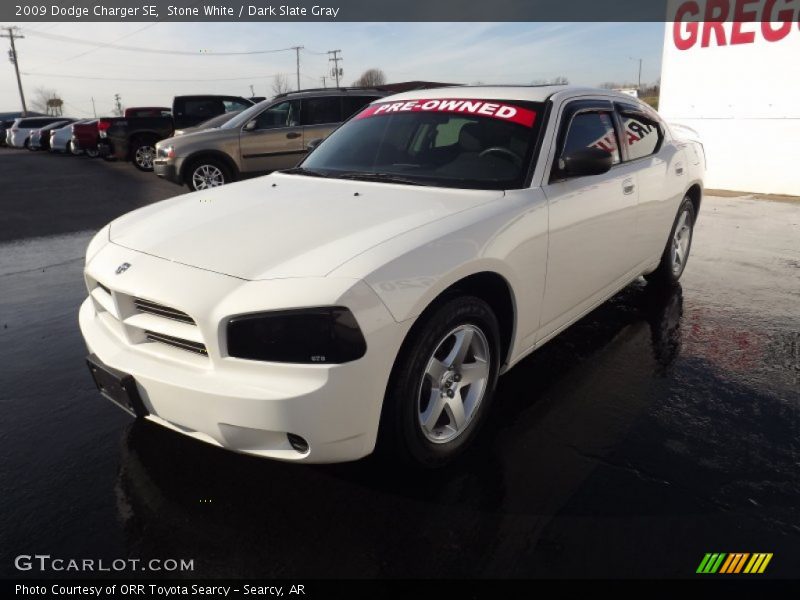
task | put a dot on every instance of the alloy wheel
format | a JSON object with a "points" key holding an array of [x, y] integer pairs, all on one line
{"points": [[681, 241], [207, 176], [455, 382], [144, 157]]}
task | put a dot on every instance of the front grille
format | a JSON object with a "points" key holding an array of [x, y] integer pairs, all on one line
{"points": [[176, 342], [153, 308]]}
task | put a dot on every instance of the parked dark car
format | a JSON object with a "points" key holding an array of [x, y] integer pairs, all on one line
{"points": [[40, 138], [135, 138], [5, 125]]}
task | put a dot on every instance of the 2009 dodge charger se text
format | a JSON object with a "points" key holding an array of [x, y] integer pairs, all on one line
{"points": [[372, 295]]}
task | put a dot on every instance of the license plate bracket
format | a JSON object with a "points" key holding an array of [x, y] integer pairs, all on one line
{"points": [[116, 386]]}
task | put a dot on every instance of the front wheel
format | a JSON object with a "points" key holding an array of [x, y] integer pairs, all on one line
{"points": [[143, 155], [676, 253], [442, 383], [207, 173]]}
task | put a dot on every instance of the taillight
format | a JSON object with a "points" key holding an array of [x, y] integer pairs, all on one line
{"points": [[103, 124]]}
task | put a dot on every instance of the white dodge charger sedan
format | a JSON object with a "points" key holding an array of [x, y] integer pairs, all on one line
{"points": [[372, 296]]}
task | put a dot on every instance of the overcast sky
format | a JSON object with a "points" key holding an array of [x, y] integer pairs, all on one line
{"points": [[585, 53]]}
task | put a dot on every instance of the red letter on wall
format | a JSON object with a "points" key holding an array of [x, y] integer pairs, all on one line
{"points": [[784, 17], [716, 12], [686, 9], [740, 15]]}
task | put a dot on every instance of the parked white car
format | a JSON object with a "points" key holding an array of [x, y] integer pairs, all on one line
{"points": [[18, 136], [61, 138], [374, 294]]}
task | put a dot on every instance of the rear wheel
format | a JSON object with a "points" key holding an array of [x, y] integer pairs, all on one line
{"points": [[143, 153], [92, 152], [676, 254], [442, 383], [207, 173]]}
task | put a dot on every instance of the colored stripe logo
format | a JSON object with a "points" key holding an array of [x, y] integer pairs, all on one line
{"points": [[734, 563]]}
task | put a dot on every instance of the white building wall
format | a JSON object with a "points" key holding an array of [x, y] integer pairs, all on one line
{"points": [[741, 93]]}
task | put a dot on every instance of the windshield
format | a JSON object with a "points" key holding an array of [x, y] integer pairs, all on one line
{"points": [[482, 144], [246, 115]]}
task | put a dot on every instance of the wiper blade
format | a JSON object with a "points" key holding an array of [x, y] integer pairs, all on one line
{"points": [[303, 171], [382, 177]]}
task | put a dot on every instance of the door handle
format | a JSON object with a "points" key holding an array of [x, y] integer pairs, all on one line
{"points": [[628, 187], [293, 135]]}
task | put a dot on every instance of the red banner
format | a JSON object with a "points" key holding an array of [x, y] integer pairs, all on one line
{"points": [[479, 108]]}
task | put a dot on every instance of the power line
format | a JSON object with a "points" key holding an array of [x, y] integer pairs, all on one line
{"points": [[12, 55], [199, 52], [149, 80]]}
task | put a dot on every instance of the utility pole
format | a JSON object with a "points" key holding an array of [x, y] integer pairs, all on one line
{"points": [[94, 110], [12, 55], [640, 75], [335, 60], [118, 105], [252, 91], [324, 80], [297, 56], [640, 72]]}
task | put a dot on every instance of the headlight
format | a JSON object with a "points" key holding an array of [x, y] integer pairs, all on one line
{"points": [[328, 335], [165, 151], [100, 239]]}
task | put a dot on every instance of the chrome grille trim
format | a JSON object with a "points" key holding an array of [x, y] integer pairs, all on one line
{"points": [[153, 308], [175, 342]]}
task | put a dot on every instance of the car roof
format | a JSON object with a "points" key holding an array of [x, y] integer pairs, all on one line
{"points": [[529, 93], [331, 91]]}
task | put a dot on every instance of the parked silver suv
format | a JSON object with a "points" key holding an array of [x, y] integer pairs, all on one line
{"points": [[272, 135]]}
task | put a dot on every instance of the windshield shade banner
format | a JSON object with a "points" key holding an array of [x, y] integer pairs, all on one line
{"points": [[479, 108]]}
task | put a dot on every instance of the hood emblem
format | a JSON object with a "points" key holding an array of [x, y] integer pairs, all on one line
{"points": [[123, 267]]}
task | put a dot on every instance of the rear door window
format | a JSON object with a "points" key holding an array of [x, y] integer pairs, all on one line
{"points": [[321, 110], [643, 135]]}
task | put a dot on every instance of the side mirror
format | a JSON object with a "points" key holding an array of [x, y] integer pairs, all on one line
{"points": [[311, 146], [250, 125], [586, 161]]}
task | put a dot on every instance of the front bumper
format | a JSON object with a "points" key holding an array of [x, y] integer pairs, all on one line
{"points": [[245, 406], [167, 170]]}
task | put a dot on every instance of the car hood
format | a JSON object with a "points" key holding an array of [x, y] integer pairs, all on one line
{"points": [[285, 225]]}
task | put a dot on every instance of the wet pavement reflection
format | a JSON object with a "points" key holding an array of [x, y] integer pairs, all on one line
{"points": [[662, 426]]}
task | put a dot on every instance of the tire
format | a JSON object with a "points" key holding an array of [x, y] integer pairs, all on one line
{"points": [[206, 173], [143, 152], [72, 150], [27, 143], [92, 152], [679, 244], [428, 394]]}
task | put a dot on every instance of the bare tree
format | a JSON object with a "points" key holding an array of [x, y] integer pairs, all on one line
{"points": [[371, 78], [280, 84], [41, 98]]}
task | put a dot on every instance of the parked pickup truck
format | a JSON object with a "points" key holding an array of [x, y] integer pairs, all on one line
{"points": [[84, 138], [86, 135], [134, 137]]}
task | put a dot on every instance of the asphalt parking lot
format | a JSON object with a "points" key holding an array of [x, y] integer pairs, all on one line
{"points": [[666, 424]]}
